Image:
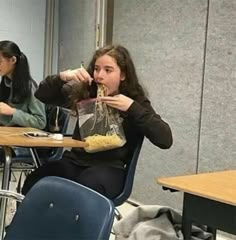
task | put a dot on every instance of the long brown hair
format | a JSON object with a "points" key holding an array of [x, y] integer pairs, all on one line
{"points": [[130, 87]]}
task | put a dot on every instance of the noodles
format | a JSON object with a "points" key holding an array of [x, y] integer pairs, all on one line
{"points": [[101, 92], [102, 143], [103, 130], [100, 108]]}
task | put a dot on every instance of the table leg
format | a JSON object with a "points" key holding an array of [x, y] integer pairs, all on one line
{"points": [[186, 222], [213, 231], [5, 186], [186, 228]]}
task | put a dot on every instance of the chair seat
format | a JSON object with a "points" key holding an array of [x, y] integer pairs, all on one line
{"points": [[57, 208]]}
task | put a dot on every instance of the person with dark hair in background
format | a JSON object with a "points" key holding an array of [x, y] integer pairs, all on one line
{"points": [[18, 105], [112, 67]]}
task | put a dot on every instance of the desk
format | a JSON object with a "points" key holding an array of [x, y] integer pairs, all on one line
{"points": [[209, 199], [14, 137]]}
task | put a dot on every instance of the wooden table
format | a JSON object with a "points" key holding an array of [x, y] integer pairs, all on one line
{"points": [[14, 137], [209, 199]]}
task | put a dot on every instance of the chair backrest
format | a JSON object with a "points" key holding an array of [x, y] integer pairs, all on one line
{"points": [[130, 172], [57, 122], [57, 208], [57, 119]]}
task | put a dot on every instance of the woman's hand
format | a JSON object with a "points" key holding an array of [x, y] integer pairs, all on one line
{"points": [[119, 101], [79, 74], [5, 109]]}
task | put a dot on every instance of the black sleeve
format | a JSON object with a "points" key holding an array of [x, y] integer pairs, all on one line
{"points": [[51, 91], [150, 123]]}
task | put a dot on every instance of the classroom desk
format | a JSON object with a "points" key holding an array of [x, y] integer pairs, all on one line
{"points": [[209, 199], [14, 137]]}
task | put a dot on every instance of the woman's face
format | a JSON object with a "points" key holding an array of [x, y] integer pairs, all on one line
{"points": [[108, 73], [7, 65]]}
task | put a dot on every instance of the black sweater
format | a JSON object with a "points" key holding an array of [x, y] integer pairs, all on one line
{"points": [[139, 120]]}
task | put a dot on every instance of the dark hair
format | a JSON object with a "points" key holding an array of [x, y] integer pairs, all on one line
{"points": [[21, 78], [131, 86]]}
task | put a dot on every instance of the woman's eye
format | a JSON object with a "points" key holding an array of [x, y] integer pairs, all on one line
{"points": [[108, 70]]}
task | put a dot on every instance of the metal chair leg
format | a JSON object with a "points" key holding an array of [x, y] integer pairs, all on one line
{"points": [[118, 215], [133, 203], [14, 176]]}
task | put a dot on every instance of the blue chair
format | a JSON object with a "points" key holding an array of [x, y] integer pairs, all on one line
{"points": [[130, 173], [57, 208], [57, 122]]}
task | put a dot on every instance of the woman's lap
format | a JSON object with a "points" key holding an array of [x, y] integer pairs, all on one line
{"points": [[106, 180]]}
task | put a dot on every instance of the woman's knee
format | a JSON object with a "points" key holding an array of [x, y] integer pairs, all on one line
{"points": [[56, 168], [107, 181]]}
